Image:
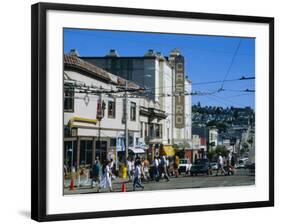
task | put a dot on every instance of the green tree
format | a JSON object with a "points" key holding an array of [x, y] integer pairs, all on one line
{"points": [[212, 123], [245, 148], [211, 154], [221, 126], [221, 149], [250, 141]]}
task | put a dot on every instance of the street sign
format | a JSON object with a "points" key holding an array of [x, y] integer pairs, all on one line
{"points": [[179, 92]]}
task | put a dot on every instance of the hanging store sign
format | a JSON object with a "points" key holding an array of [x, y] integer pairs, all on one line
{"points": [[179, 92]]}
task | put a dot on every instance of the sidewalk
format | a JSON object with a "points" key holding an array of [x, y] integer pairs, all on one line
{"points": [[117, 183], [87, 183]]}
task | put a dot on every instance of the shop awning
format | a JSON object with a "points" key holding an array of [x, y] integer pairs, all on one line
{"points": [[168, 150], [136, 150], [81, 120], [155, 141]]}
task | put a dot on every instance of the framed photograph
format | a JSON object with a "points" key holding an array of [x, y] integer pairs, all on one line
{"points": [[140, 111]]}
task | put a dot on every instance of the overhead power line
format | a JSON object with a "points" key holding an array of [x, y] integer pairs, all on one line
{"points": [[242, 78], [231, 63]]}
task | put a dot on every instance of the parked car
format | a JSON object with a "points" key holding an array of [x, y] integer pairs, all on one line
{"points": [[242, 163], [184, 166], [250, 165], [214, 165], [201, 166]]}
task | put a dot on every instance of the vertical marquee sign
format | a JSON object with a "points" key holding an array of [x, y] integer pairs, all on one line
{"points": [[179, 92]]}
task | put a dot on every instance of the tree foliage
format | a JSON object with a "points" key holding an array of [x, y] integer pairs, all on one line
{"points": [[221, 149], [221, 126]]}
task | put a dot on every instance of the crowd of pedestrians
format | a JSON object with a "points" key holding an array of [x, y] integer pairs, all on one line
{"points": [[139, 170]]}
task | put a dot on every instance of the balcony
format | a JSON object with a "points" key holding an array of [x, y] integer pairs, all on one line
{"points": [[152, 113]]}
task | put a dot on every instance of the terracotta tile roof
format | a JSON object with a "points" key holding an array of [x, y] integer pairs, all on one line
{"points": [[131, 85], [75, 62]]}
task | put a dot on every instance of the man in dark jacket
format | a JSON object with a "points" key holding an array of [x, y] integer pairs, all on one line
{"points": [[96, 175]]}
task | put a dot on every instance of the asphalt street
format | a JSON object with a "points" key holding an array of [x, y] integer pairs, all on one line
{"points": [[242, 178]]}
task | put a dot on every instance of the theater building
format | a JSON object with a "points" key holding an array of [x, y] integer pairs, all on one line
{"points": [[94, 114], [166, 79]]}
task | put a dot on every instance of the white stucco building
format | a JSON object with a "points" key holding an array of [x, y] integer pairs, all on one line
{"points": [[88, 88]]}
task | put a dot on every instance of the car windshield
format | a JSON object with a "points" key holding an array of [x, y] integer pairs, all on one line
{"points": [[183, 161]]}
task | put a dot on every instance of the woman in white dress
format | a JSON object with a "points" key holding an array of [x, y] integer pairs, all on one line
{"points": [[106, 177]]}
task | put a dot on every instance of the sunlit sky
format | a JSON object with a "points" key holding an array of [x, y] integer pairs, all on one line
{"points": [[207, 59]]}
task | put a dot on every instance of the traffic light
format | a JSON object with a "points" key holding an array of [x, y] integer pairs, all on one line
{"points": [[103, 107]]}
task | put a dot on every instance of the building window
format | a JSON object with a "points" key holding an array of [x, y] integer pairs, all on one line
{"points": [[124, 111], [113, 142], [151, 131], [68, 98], [86, 150], [133, 111], [70, 153], [158, 130], [131, 139], [111, 108], [145, 130]]}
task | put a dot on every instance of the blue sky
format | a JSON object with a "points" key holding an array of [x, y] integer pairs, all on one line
{"points": [[207, 58]]}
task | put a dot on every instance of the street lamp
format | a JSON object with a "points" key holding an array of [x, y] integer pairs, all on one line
{"points": [[168, 122]]}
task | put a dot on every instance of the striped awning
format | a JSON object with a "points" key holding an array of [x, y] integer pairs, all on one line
{"points": [[136, 150]]}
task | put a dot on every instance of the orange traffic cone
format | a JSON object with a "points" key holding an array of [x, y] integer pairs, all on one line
{"points": [[71, 187], [123, 187]]}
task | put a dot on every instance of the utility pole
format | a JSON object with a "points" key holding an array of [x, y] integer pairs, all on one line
{"points": [[99, 117], [173, 103], [99, 142], [126, 123]]}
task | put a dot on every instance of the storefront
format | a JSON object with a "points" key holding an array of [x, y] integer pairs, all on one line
{"points": [[101, 150], [70, 152], [78, 151], [137, 152]]}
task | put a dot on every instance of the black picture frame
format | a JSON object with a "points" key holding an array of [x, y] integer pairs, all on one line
{"points": [[39, 114]]}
